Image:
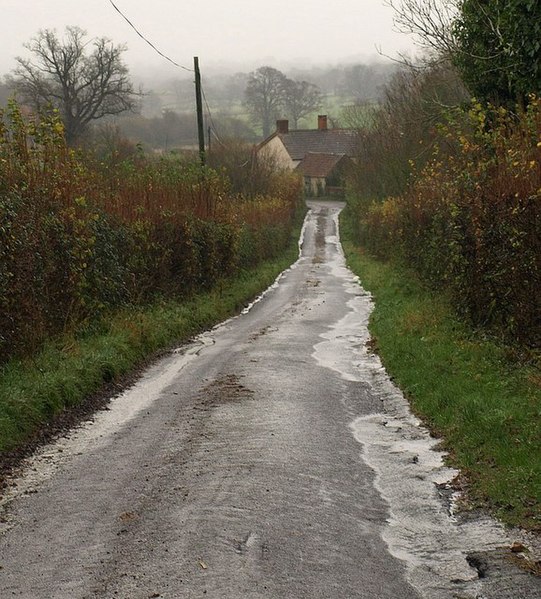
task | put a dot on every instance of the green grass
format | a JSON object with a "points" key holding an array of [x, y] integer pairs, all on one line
{"points": [[469, 390], [69, 369]]}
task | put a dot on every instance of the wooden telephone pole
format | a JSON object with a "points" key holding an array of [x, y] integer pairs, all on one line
{"points": [[199, 105]]}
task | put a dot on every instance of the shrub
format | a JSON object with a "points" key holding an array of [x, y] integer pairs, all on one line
{"points": [[470, 222], [79, 237]]}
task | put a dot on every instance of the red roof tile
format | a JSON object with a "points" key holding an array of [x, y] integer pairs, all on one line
{"points": [[319, 164]]}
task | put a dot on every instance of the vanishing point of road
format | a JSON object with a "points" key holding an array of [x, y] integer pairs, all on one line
{"points": [[272, 457]]}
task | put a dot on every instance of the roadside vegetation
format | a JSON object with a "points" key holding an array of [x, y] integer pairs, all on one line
{"points": [[444, 211], [468, 218], [473, 392], [105, 259]]}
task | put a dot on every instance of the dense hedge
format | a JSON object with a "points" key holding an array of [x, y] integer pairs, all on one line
{"points": [[78, 237], [470, 221]]}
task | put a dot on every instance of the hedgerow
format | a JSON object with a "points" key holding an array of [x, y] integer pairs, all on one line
{"points": [[470, 219], [80, 237]]}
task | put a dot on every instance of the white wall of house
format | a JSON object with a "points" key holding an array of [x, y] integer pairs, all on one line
{"points": [[276, 150]]}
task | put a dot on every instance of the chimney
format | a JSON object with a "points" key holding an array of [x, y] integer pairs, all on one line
{"points": [[282, 126], [322, 122]]}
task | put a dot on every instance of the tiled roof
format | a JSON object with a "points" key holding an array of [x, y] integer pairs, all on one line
{"points": [[319, 164], [328, 141]]}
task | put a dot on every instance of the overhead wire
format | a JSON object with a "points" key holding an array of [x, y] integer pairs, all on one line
{"points": [[213, 127], [180, 66], [214, 130]]}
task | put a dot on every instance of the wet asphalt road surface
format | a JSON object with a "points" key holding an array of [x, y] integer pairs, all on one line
{"points": [[270, 458]]}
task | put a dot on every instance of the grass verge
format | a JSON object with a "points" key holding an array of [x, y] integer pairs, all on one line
{"points": [[68, 370], [468, 389]]}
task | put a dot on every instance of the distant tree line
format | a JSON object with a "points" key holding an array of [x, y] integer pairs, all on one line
{"points": [[171, 130], [349, 84], [86, 81]]}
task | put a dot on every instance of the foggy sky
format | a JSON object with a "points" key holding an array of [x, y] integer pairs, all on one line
{"points": [[241, 34]]}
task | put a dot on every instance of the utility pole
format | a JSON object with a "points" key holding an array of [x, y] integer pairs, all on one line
{"points": [[199, 104]]}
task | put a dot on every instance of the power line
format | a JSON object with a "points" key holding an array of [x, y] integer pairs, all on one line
{"points": [[146, 40], [217, 138], [214, 130], [213, 126], [180, 66]]}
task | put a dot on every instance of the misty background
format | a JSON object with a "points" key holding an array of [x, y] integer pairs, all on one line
{"points": [[335, 47]]}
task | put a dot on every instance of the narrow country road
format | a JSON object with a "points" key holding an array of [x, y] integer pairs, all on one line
{"points": [[271, 458]]}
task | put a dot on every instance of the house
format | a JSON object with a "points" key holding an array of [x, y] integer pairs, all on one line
{"points": [[323, 173], [320, 154]]}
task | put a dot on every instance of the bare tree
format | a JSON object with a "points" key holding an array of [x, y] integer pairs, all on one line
{"points": [[264, 96], [430, 22], [83, 86], [300, 98]]}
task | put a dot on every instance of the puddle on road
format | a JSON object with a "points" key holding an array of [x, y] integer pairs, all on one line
{"points": [[307, 222], [422, 530]]}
